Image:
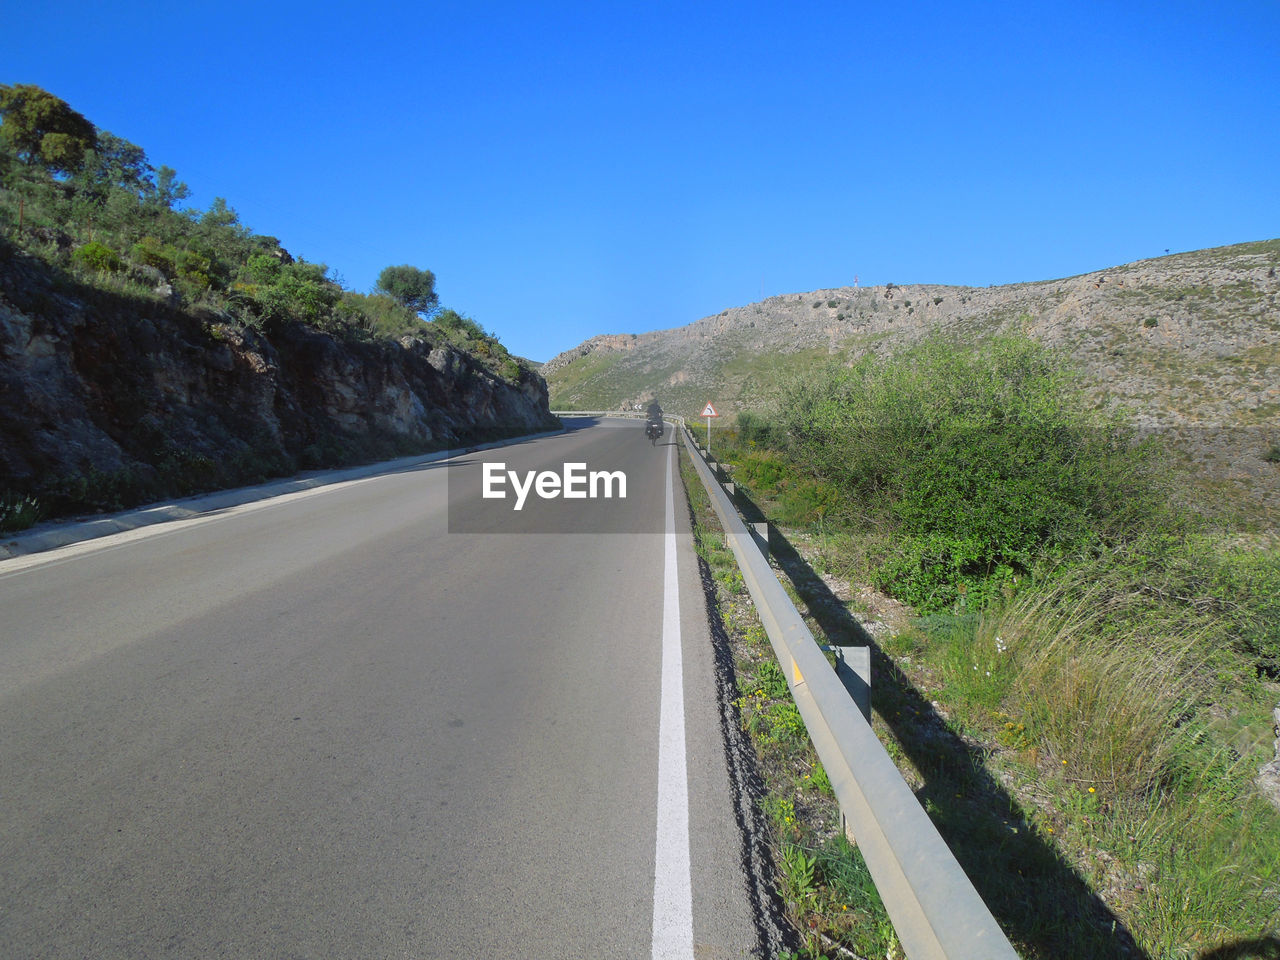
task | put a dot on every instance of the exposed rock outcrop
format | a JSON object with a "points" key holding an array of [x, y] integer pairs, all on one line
{"points": [[96, 385]]}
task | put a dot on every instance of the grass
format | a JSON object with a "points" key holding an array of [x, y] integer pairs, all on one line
{"points": [[1075, 854], [1158, 816], [575, 384]]}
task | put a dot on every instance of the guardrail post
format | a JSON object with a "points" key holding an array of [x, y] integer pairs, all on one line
{"points": [[761, 532], [730, 489], [853, 667]]}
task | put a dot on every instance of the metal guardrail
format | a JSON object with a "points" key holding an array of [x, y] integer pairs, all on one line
{"points": [[934, 908]]}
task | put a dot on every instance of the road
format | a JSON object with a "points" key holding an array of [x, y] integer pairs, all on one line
{"points": [[355, 723]]}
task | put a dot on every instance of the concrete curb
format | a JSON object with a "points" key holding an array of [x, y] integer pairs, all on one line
{"points": [[50, 536]]}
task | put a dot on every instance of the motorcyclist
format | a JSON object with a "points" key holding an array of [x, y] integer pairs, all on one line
{"points": [[653, 425]]}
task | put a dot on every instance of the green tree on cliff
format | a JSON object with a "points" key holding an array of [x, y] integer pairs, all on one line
{"points": [[414, 288]]}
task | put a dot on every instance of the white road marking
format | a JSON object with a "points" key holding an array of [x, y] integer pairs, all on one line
{"points": [[672, 887], [57, 555]]}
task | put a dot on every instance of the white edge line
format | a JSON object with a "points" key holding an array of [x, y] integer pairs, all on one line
{"points": [[672, 885], [22, 562]]}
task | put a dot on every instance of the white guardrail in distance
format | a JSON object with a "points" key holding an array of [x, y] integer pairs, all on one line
{"points": [[935, 910]]}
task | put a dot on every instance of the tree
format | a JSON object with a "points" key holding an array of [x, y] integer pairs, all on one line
{"points": [[169, 189], [220, 215], [114, 162], [414, 288], [42, 129]]}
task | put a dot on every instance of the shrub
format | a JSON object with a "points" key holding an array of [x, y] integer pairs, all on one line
{"points": [[458, 325], [982, 463], [755, 430], [380, 315], [261, 268], [98, 257], [152, 253], [762, 471], [296, 291], [195, 268], [18, 512]]}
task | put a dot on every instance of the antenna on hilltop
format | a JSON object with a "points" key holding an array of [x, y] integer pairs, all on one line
{"points": [[855, 281]]}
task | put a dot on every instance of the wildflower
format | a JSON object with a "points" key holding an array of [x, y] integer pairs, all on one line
{"points": [[1091, 790]]}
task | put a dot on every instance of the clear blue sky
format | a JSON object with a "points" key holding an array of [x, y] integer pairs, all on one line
{"points": [[569, 169]]}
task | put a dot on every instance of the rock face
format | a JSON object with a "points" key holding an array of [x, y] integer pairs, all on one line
{"points": [[95, 386], [605, 343]]}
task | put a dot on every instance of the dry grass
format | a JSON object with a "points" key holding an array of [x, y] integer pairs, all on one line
{"points": [[1108, 708]]}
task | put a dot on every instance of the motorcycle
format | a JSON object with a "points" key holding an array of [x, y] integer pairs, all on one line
{"points": [[653, 430]]}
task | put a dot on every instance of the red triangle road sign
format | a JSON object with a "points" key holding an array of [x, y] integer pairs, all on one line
{"points": [[709, 411]]}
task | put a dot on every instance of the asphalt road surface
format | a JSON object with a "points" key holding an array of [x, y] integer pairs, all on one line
{"points": [[357, 723]]}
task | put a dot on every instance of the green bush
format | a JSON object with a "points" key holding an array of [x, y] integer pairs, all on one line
{"points": [[97, 256], [379, 315], [808, 499], [981, 462], [755, 430], [457, 325], [152, 253], [195, 268], [261, 268], [762, 471]]}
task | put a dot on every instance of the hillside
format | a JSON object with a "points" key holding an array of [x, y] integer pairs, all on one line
{"points": [[1188, 344], [107, 399], [149, 349]]}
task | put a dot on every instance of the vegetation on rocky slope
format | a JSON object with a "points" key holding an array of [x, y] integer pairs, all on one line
{"points": [[149, 349]]}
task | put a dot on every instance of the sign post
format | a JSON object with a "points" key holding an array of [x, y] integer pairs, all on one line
{"points": [[709, 411]]}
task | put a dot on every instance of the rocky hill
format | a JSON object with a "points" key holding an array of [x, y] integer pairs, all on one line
{"points": [[1189, 344], [109, 399]]}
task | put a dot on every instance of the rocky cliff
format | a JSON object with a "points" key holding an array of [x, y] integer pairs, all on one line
{"points": [[108, 399]]}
